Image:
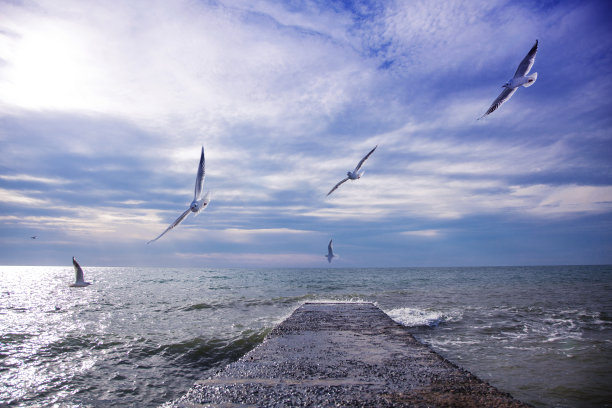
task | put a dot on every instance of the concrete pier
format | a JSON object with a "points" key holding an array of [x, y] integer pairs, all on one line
{"points": [[342, 354]]}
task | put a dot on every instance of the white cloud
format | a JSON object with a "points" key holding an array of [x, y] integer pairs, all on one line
{"points": [[251, 235], [293, 259], [132, 202], [435, 197], [180, 65], [34, 179], [97, 224], [456, 35], [428, 233], [21, 198], [566, 200]]}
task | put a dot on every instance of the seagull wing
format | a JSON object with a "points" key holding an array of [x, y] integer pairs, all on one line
{"points": [[337, 185], [364, 159], [527, 62], [79, 271], [174, 224], [330, 249], [503, 97], [199, 178]]}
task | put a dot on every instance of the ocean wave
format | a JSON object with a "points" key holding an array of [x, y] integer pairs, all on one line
{"points": [[223, 277], [14, 338], [210, 351], [198, 306], [73, 343], [273, 301], [412, 317], [280, 300], [339, 299], [538, 323]]}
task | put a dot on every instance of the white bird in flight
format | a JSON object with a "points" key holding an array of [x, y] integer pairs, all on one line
{"points": [[330, 252], [520, 78], [355, 174], [80, 278], [198, 204]]}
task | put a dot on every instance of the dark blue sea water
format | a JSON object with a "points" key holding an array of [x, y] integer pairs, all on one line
{"points": [[142, 336]]}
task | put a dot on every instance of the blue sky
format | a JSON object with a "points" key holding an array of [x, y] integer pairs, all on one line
{"points": [[104, 109]]}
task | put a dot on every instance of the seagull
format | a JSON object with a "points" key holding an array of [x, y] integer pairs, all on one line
{"points": [[198, 204], [80, 279], [34, 236], [330, 252], [520, 78], [355, 174]]}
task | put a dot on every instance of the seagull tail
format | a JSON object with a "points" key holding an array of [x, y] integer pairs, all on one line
{"points": [[531, 80]]}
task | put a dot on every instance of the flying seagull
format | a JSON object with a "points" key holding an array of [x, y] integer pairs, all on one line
{"points": [[520, 78], [34, 236], [330, 251], [355, 174], [80, 279], [198, 204]]}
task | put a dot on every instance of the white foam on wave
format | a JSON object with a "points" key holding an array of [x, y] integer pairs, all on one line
{"points": [[533, 327], [411, 317], [342, 299]]}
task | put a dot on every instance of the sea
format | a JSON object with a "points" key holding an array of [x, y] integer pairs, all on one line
{"points": [[142, 336]]}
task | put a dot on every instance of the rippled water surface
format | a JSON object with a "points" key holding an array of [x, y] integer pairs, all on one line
{"points": [[142, 336]]}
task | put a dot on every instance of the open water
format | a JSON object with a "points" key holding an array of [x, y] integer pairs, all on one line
{"points": [[142, 336]]}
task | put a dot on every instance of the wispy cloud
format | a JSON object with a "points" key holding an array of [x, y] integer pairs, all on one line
{"points": [[568, 200], [249, 235], [20, 198], [254, 259], [33, 179], [429, 233]]}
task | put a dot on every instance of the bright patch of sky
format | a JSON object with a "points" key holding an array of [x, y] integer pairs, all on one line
{"points": [[104, 109]]}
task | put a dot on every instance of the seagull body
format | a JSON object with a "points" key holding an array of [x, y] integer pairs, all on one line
{"points": [[355, 174], [330, 252], [198, 204], [520, 78], [80, 278]]}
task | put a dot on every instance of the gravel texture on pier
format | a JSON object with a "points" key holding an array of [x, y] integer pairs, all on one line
{"points": [[342, 354]]}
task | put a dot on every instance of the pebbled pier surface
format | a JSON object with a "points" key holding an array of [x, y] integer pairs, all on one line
{"points": [[342, 354]]}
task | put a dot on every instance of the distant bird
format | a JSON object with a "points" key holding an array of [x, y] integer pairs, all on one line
{"points": [[34, 237], [330, 252], [355, 174], [198, 204], [80, 279], [520, 78]]}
